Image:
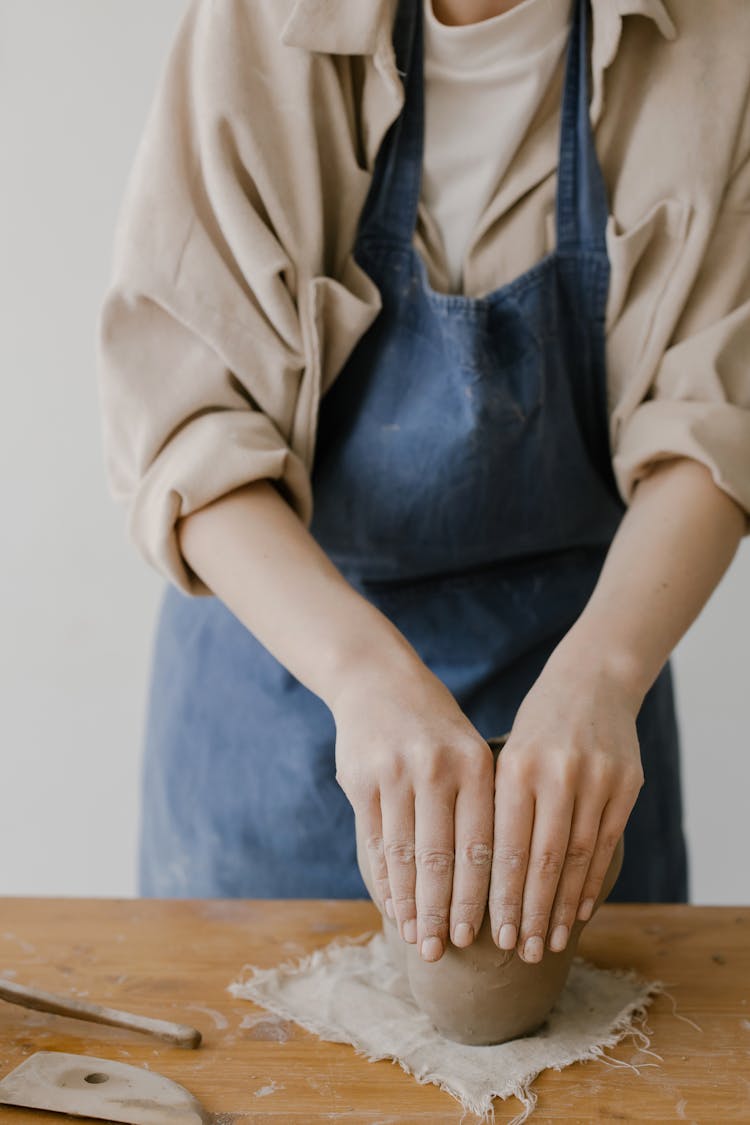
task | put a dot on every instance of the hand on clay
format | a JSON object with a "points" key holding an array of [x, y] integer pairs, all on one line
{"points": [[420, 779], [566, 782]]}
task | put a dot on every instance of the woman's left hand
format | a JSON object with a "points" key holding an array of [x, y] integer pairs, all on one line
{"points": [[566, 782]]}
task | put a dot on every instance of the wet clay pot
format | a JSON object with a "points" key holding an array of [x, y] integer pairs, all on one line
{"points": [[482, 994]]}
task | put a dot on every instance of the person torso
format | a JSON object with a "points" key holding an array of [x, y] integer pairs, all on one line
{"points": [[465, 432]]}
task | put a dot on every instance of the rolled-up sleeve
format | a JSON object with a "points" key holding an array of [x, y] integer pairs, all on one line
{"points": [[199, 343], [699, 403]]}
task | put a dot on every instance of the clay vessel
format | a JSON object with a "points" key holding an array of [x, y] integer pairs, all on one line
{"points": [[482, 994]]}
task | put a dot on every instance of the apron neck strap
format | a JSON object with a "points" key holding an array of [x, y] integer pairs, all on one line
{"points": [[390, 211], [582, 207]]}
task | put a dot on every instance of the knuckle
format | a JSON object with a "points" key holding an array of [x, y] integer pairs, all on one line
{"points": [[375, 846], [508, 906], [534, 925], [601, 766], [349, 783], [467, 908], [436, 861], [591, 889], [512, 767], [376, 857], [478, 765], [510, 857], [567, 769], [433, 918], [548, 862], [383, 888], [391, 771], [608, 843], [533, 916], [433, 765], [563, 918], [476, 853], [635, 778], [578, 856], [564, 908], [400, 852], [404, 904]]}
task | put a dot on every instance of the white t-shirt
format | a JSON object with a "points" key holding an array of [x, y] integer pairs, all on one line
{"points": [[483, 84]]}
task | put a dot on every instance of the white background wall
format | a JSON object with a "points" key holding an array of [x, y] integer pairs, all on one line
{"points": [[76, 602]]}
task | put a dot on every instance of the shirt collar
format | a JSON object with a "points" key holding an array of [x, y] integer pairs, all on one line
{"points": [[356, 27], [608, 16], [338, 27]]}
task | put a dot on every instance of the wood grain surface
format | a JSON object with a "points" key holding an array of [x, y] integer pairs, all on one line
{"points": [[174, 960]]}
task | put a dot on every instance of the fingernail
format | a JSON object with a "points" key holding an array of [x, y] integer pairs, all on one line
{"points": [[409, 930], [533, 949], [432, 948], [585, 909], [559, 939], [463, 934], [389, 908], [507, 937]]}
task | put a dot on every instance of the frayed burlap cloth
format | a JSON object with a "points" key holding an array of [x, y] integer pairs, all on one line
{"points": [[351, 992]]}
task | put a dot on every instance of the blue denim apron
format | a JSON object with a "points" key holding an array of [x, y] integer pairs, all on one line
{"points": [[463, 483]]}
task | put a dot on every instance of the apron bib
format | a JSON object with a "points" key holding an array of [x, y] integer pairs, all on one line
{"points": [[463, 483]]}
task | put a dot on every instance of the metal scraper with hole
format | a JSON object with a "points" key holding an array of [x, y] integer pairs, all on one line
{"points": [[86, 1086]]}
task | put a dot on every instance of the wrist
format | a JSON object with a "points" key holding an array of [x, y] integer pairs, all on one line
{"points": [[589, 650], [366, 660]]}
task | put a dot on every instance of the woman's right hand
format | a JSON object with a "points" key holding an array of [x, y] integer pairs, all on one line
{"points": [[407, 757], [421, 781]]}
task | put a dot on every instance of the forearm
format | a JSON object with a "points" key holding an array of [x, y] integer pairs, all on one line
{"points": [[574, 752], [255, 554], [675, 542], [404, 751]]}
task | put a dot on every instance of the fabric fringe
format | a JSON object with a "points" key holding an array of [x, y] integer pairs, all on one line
{"points": [[629, 1023]]}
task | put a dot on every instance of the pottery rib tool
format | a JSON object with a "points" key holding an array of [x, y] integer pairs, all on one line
{"points": [[180, 1035], [85, 1086]]}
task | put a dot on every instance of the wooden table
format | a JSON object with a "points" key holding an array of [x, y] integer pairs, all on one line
{"points": [[175, 960]]}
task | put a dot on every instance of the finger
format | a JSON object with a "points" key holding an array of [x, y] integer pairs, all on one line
{"points": [[433, 838], [473, 859], [514, 821], [371, 828], [611, 828], [549, 842], [397, 811], [584, 831]]}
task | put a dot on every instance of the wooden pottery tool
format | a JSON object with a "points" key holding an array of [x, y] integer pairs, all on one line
{"points": [[85, 1086], [178, 1034]]}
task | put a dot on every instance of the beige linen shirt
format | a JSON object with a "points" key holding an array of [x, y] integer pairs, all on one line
{"points": [[235, 300]]}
